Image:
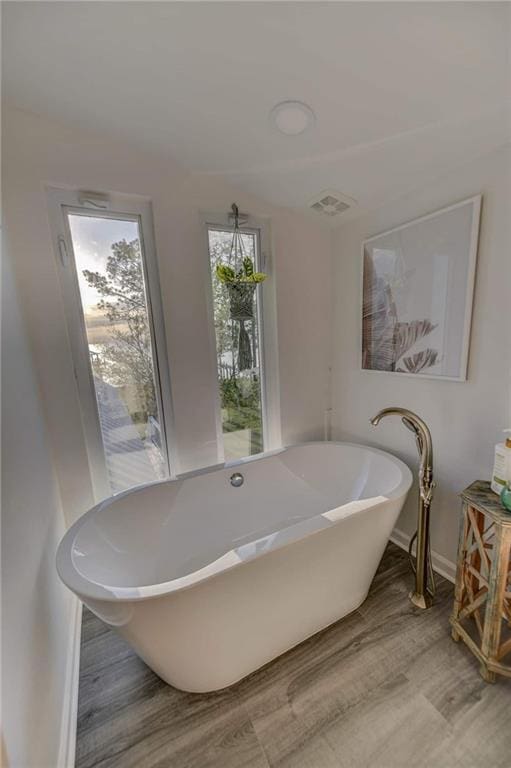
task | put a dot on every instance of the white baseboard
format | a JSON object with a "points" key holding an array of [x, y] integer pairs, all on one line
{"points": [[441, 564], [67, 748]]}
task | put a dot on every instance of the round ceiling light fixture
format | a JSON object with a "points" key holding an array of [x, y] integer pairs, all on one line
{"points": [[292, 117]]}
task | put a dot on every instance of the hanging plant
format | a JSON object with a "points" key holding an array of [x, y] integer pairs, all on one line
{"points": [[241, 287], [241, 281]]}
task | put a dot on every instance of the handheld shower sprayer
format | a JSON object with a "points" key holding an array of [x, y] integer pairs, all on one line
{"points": [[423, 594]]}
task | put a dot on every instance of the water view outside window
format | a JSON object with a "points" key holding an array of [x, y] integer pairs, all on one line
{"points": [[238, 355], [112, 286]]}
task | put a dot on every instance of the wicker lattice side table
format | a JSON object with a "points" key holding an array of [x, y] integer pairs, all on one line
{"points": [[482, 602]]}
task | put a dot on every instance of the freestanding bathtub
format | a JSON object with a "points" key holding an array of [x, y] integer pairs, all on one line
{"points": [[208, 582]]}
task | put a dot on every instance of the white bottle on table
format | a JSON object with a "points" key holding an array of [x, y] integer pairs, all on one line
{"points": [[501, 474]]}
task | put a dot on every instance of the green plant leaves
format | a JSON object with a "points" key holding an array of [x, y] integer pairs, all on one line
{"points": [[225, 274], [248, 266], [257, 277], [245, 275]]}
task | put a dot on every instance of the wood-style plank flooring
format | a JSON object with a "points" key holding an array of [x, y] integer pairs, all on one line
{"points": [[386, 687]]}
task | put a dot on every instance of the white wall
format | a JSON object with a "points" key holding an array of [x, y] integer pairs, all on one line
{"points": [[37, 609], [464, 418], [39, 152]]}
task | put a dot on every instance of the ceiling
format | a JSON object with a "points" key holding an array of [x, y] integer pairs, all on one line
{"points": [[401, 91]]}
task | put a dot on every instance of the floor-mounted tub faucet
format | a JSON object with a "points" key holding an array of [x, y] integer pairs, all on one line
{"points": [[422, 595]]}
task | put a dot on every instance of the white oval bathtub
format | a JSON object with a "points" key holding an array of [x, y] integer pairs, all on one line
{"points": [[208, 582]]}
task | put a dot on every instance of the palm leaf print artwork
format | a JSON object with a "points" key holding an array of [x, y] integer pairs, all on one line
{"points": [[419, 361], [407, 334], [417, 292], [379, 321], [386, 341]]}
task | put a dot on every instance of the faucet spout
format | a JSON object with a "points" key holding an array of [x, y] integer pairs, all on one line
{"points": [[422, 596], [416, 425]]}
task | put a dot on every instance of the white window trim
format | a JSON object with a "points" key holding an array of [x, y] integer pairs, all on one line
{"points": [[133, 208], [267, 321]]}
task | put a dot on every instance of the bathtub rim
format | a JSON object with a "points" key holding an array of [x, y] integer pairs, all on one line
{"points": [[86, 588]]}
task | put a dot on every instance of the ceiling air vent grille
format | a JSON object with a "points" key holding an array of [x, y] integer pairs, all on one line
{"points": [[331, 203]]}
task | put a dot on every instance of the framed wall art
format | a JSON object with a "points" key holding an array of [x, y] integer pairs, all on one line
{"points": [[418, 284]]}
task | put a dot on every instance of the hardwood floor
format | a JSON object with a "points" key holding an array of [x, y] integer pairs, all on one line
{"points": [[385, 687]]}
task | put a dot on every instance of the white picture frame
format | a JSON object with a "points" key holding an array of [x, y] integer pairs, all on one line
{"points": [[417, 294]]}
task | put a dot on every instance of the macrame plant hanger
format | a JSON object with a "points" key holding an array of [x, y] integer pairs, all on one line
{"points": [[241, 295]]}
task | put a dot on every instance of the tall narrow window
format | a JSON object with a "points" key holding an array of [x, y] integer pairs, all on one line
{"points": [[118, 360], [238, 335], [110, 274]]}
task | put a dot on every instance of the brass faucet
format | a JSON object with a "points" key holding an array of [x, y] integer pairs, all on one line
{"points": [[422, 596]]}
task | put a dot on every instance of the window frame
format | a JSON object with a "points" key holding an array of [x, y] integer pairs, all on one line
{"points": [[266, 322], [133, 208]]}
